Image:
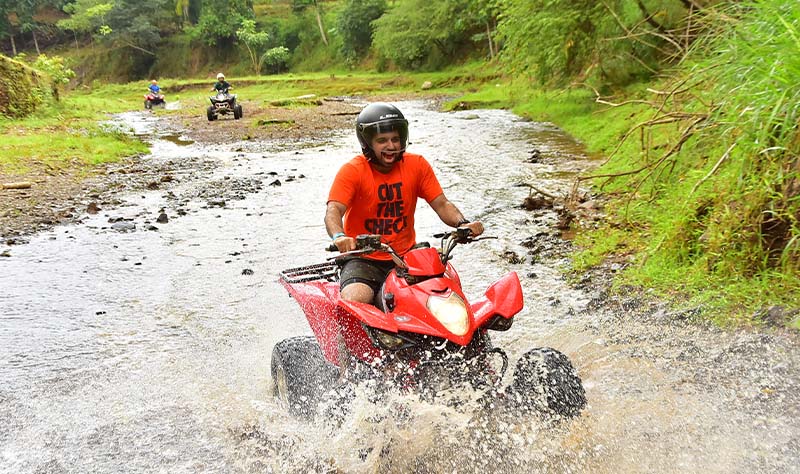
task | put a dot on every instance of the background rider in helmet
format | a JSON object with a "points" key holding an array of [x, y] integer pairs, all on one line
{"points": [[221, 85], [154, 87], [376, 193]]}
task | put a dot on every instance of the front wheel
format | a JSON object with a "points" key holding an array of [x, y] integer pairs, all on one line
{"points": [[238, 112], [210, 113], [546, 382], [148, 105], [300, 374]]}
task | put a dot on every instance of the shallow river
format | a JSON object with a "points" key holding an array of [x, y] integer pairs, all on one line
{"points": [[147, 348]]}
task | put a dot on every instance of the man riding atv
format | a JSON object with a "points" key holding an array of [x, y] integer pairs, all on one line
{"points": [[223, 102], [154, 96], [221, 85], [376, 193]]}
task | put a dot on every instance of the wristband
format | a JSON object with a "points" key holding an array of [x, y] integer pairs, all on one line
{"points": [[463, 221], [337, 235]]}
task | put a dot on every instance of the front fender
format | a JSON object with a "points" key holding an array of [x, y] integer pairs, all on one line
{"points": [[503, 298]]}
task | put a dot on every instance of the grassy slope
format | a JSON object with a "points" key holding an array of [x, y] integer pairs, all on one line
{"points": [[660, 231]]}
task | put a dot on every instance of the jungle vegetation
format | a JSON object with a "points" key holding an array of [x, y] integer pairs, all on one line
{"points": [[693, 103]]}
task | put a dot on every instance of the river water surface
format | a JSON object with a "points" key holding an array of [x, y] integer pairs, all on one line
{"points": [[128, 345]]}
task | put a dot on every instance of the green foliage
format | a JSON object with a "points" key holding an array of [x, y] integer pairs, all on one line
{"points": [[417, 34], [220, 19], [706, 188], [276, 59], [615, 42], [54, 66], [254, 41], [355, 26], [86, 16]]}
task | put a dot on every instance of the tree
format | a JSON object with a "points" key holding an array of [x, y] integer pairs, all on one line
{"points": [[355, 26], [220, 19], [276, 58], [137, 24], [300, 5], [86, 17], [415, 33], [254, 41], [616, 40]]}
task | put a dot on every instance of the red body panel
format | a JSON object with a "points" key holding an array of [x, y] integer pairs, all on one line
{"points": [[424, 262], [333, 320]]}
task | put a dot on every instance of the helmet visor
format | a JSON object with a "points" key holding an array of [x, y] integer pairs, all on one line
{"points": [[370, 130]]}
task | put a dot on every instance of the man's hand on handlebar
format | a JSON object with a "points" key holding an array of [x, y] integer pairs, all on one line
{"points": [[345, 244], [475, 227]]}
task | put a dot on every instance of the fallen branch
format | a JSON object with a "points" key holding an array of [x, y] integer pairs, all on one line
{"points": [[713, 170], [17, 185]]}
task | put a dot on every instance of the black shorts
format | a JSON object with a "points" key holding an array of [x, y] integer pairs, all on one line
{"points": [[367, 271]]}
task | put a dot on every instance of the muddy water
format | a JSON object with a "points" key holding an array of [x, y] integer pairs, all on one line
{"points": [[130, 345]]}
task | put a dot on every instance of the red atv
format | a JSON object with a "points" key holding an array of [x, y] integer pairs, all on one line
{"points": [[154, 100], [420, 335]]}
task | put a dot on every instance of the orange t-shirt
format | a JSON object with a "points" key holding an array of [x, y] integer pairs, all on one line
{"points": [[384, 204]]}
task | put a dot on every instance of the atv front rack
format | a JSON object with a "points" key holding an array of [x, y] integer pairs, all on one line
{"points": [[320, 271]]}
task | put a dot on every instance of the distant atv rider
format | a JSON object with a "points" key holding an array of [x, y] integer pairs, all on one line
{"points": [[154, 89], [221, 85], [376, 193]]}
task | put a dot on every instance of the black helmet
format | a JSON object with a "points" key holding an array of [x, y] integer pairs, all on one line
{"points": [[380, 118]]}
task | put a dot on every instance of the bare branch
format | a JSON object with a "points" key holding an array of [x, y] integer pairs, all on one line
{"points": [[713, 170]]}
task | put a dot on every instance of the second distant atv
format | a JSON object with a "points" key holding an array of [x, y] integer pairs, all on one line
{"points": [[223, 103]]}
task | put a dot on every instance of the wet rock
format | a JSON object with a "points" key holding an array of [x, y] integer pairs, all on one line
{"points": [[533, 203], [277, 182], [216, 203], [776, 315], [167, 178], [247, 272], [152, 228], [5, 253], [123, 226], [512, 257], [153, 185], [535, 156], [92, 208], [162, 218]]}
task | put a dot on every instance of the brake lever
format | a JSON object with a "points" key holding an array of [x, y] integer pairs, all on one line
{"points": [[349, 253]]}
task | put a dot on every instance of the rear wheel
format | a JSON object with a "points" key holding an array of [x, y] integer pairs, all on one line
{"points": [[300, 374], [148, 105], [546, 382], [210, 113]]}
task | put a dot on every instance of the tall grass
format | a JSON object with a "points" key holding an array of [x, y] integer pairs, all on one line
{"points": [[718, 219]]}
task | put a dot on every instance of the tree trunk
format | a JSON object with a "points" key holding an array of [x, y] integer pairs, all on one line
{"points": [[489, 39], [319, 23], [75, 35], [36, 42], [13, 45]]}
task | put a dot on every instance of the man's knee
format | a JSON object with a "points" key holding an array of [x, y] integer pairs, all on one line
{"points": [[359, 292]]}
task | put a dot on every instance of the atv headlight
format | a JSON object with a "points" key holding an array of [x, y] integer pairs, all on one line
{"points": [[386, 340], [451, 312]]}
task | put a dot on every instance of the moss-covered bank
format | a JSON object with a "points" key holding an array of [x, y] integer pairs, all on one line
{"points": [[24, 89]]}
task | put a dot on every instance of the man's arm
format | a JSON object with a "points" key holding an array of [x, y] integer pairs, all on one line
{"points": [[334, 224], [450, 215]]}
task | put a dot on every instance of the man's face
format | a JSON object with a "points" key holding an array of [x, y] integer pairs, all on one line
{"points": [[387, 147]]}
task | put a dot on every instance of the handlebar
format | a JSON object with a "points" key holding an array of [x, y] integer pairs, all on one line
{"points": [[369, 243]]}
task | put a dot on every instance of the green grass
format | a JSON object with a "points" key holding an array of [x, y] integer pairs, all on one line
{"points": [[67, 136]]}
